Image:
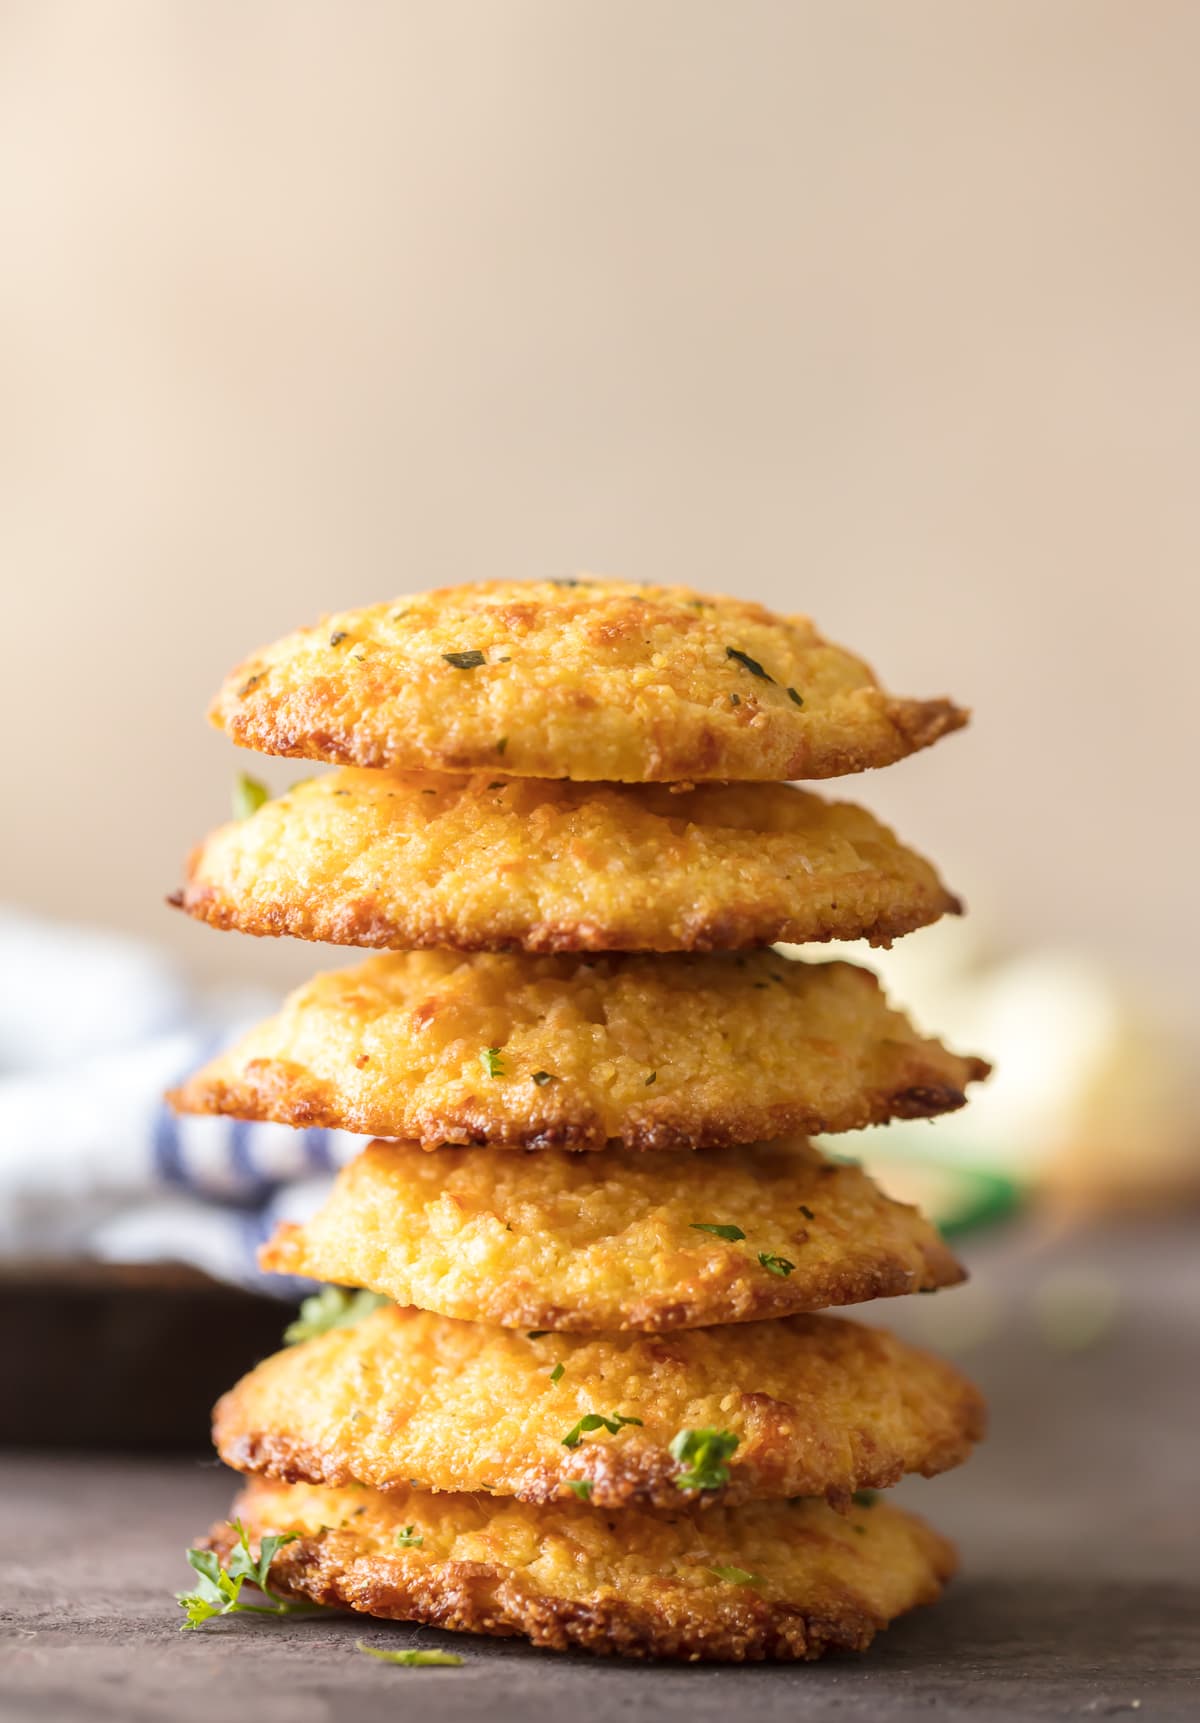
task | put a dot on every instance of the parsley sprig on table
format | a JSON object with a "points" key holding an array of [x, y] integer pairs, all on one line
{"points": [[412, 1658], [218, 1590]]}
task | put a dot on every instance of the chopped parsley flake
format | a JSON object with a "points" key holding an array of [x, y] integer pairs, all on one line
{"points": [[582, 1487], [596, 1421], [541, 1078], [536, 1333], [735, 699], [703, 1455], [408, 1539], [751, 664], [730, 1234], [491, 1061], [652, 1078], [465, 660], [556, 1375], [249, 794], [411, 1658], [795, 698], [776, 1264], [332, 1307], [218, 1590], [807, 1212], [736, 1575], [336, 638]]}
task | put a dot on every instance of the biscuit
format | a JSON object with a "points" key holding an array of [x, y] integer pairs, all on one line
{"points": [[582, 679], [784, 1581], [409, 860], [613, 1241], [803, 1406]]}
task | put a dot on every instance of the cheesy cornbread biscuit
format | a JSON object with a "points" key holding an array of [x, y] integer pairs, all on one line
{"points": [[516, 1050], [408, 860], [773, 1580], [688, 1239], [581, 679], [803, 1406]]}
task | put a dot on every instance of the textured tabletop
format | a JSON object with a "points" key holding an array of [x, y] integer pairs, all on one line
{"points": [[1079, 1525]]}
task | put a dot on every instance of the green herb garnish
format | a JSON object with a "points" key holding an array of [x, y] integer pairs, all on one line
{"points": [[652, 1078], [702, 1454], [332, 1307], [752, 664], [776, 1264], [731, 1234], [219, 1589], [337, 638], [596, 1421], [541, 1078], [412, 1658], [408, 1539], [556, 1375], [491, 1061], [736, 1575], [807, 1212], [536, 1333], [795, 698], [249, 794], [582, 1487], [465, 660]]}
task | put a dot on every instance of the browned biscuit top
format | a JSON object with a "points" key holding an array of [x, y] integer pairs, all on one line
{"points": [[409, 860], [583, 679], [516, 1050], [767, 1580], [614, 1241], [803, 1406]]}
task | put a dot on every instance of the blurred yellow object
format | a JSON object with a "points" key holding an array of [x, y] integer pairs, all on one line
{"points": [[1092, 1103]]}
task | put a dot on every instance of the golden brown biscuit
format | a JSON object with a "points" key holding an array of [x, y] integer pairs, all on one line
{"points": [[805, 1406], [613, 1241], [585, 680], [770, 1580], [409, 860], [515, 1050]]}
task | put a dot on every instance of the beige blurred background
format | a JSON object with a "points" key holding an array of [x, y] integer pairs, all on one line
{"points": [[885, 311]]}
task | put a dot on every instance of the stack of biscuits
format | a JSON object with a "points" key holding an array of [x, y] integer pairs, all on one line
{"points": [[580, 1391]]}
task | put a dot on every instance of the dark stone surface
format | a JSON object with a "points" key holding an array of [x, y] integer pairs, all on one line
{"points": [[1078, 1522]]}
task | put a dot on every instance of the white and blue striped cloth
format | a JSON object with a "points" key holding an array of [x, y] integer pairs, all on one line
{"points": [[93, 1030]]}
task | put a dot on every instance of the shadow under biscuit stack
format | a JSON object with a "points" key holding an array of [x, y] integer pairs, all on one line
{"points": [[582, 1386]]}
